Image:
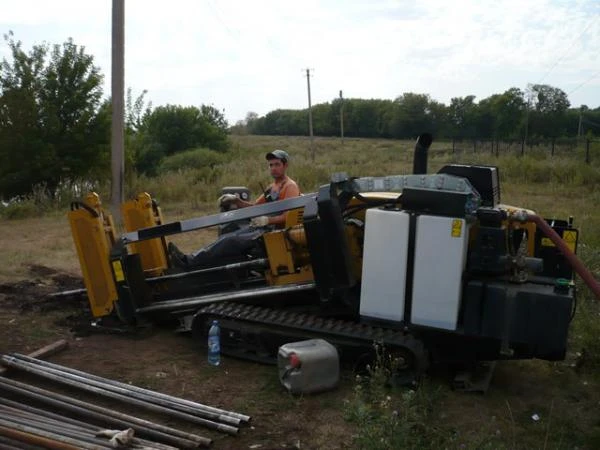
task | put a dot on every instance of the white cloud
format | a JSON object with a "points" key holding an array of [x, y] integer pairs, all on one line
{"points": [[248, 56]]}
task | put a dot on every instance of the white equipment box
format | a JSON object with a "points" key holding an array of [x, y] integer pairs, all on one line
{"points": [[440, 258], [384, 264]]}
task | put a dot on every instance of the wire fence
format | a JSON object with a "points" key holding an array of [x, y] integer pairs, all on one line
{"points": [[583, 148]]}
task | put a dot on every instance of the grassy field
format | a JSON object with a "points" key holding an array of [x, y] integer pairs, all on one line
{"points": [[566, 399]]}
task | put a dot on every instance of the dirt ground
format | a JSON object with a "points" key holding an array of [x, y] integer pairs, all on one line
{"points": [[173, 363]]}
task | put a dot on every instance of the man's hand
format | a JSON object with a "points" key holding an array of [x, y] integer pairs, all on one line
{"points": [[260, 221], [226, 199]]}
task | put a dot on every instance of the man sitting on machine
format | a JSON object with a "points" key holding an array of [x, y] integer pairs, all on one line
{"points": [[245, 240]]}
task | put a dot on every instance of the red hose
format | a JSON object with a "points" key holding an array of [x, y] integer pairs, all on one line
{"points": [[575, 262]]}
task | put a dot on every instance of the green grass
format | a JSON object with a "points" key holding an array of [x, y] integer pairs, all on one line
{"points": [[564, 394]]}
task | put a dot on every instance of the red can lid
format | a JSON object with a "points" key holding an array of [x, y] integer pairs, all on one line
{"points": [[294, 361]]}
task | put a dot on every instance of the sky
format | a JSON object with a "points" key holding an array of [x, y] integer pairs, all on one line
{"points": [[251, 56]]}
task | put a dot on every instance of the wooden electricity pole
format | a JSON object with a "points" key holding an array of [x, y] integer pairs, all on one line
{"points": [[342, 117], [118, 95], [310, 124]]}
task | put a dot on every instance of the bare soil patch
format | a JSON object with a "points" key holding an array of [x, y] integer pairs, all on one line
{"points": [[160, 359]]}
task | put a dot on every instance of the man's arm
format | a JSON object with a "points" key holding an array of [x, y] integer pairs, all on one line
{"points": [[290, 190]]}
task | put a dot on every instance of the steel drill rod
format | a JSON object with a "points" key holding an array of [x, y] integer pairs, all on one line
{"points": [[37, 441], [14, 412], [76, 425], [57, 430], [257, 263], [177, 400], [68, 420], [126, 390], [43, 413], [7, 443], [91, 386], [57, 438], [105, 415], [174, 305]]}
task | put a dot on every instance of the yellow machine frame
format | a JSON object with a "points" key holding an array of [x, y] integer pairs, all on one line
{"points": [[142, 212], [93, 233]]}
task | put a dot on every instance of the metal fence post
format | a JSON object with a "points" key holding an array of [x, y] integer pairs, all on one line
{"points": [[587, 151], [522, 147]]}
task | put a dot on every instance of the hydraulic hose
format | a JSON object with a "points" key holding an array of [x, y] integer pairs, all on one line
{"points": [[574, 261]]}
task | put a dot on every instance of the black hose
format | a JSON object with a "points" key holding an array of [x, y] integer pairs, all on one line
{"points": [[77, 204]]}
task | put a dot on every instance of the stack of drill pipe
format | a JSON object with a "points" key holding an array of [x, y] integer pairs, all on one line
{"points": [[167, 405], [10, 408], [187, 406], [106, 416]]}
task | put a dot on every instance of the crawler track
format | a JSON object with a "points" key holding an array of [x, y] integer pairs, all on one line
{"points": [[255, 332]]}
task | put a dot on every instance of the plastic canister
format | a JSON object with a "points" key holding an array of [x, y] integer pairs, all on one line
{"points": [[308, 366]]}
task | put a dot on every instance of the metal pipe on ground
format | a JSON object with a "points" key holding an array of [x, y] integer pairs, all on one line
{"points": [[7, 443], [109, 416], [90, 386], [63, 434], [87, 430], [174, 305], [47, 440], [128, 390], [69, 420], [186, 403], [19, 413]]}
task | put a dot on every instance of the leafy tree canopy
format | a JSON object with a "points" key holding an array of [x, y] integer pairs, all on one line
{"points": [[52, 129]]}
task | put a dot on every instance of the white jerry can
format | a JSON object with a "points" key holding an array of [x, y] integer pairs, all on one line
{"points": [[307, 367]]}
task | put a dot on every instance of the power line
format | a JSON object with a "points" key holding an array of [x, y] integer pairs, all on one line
{"points": [[568, 49], [585, 82], [217, 15]]}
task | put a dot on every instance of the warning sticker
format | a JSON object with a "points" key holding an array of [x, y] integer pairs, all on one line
{"points": [[456, 228], [569, 236], [118, 270], [546, 242]]}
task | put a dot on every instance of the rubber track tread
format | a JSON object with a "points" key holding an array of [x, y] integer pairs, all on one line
{"points": [[325, 327]]}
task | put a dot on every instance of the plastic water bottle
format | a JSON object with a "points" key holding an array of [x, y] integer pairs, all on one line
{"points": [[214, 344]]}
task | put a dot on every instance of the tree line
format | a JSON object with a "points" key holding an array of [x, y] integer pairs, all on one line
{"points": [[55, 121], [55, 124], [541, 111]]}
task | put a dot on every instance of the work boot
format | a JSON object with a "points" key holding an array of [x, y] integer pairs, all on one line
{"points": [[178, 258]]}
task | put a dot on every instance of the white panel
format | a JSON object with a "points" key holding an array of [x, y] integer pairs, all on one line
{"points": [[384, 264], [440, 256]]}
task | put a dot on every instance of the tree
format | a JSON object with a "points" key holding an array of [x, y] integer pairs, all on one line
{"points": [[461, 114], [50, 131], [172, 128], [549, 111], [412, 115]]}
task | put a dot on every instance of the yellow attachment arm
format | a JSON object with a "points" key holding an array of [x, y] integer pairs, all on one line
{"points": [[93, 234]]}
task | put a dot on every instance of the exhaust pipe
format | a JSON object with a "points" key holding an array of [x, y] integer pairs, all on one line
{"points": [[420, 158]]}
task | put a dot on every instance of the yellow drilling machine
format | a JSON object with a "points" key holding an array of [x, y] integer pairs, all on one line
{"points": [[432, 266]]}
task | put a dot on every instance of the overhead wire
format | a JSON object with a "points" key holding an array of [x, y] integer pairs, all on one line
{"points": [[559, 60], [584, 83]]}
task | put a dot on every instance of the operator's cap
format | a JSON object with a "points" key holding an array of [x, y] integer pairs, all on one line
{"points": [[278, 154]]}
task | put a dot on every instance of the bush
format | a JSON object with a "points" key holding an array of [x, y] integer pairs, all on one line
{"points": [[20, 209], [392, 418], [200, 158]]}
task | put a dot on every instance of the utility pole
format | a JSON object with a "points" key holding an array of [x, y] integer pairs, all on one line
{"points": [[118, 95], [342, 116], [528, 92], [579, 128], [310, 125]]}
